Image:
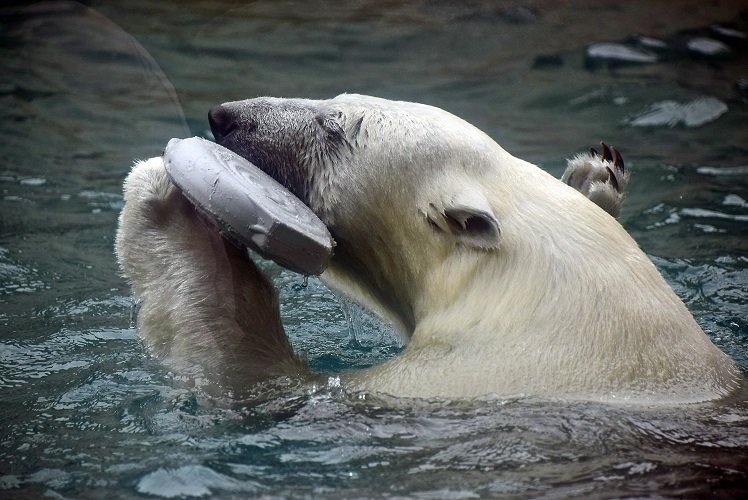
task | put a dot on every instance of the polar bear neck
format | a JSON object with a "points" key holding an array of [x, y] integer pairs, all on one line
{"points": [[555, 246]]}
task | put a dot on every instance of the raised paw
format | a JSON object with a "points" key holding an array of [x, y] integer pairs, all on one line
{"points": [[601, 178]]}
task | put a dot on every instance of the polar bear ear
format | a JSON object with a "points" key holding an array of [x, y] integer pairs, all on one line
{"points": [[469, 218]]}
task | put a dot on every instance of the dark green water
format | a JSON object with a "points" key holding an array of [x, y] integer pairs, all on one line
{"points": [[85, 413]]}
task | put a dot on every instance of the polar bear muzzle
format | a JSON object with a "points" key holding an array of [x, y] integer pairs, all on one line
{"points": [[288, 139]]}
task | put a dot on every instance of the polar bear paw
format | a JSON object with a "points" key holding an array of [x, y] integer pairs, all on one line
{"points": [[601, 178]]}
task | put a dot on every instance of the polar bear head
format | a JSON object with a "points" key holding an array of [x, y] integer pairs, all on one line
{"points": [[398, 184]]}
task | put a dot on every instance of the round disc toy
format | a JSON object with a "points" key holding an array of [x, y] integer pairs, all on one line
{"points": [[249, 205]]}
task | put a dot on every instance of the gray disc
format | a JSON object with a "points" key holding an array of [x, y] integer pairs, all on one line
{"points": [[249, 205]]}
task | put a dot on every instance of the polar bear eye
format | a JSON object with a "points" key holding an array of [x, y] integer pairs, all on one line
{"points": [[332, 128]]}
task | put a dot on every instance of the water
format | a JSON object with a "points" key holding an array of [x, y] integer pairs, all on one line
{"points": [[85, 412]]}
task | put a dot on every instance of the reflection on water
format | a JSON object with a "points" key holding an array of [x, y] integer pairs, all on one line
{"points": [[85, 412]]}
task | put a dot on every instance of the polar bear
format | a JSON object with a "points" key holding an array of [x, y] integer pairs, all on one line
{"points": [[502, 279]]}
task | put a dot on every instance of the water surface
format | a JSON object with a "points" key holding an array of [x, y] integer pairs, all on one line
{"points": [[86, 413]]}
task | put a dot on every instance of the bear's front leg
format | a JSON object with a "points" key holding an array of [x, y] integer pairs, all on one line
{"points": [[206, 309], [601, 178]]}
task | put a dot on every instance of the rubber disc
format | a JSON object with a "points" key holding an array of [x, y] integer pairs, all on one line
{"points": [[250, 206]]}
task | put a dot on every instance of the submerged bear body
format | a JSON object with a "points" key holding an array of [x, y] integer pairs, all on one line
{"points": [[503, 280]]}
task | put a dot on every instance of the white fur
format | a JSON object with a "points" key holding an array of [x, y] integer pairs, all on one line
{"points": [[504, 280]]}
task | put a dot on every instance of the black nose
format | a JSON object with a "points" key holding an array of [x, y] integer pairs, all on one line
{"points": [[222, 122]]}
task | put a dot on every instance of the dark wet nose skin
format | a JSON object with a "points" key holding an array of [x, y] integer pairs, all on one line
{"points": [[222, 122]]}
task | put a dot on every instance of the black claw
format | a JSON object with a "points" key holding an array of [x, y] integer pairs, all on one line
{"points": [[612, 179], [618, 159], [593, 153], [607, 156]]}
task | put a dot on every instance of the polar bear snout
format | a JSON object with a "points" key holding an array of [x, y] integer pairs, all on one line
{"points": [[294, 141], [270, 133]]}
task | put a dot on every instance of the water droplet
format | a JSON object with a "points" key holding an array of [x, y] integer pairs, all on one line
{"points": [[352, 315], [134, 308]]}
